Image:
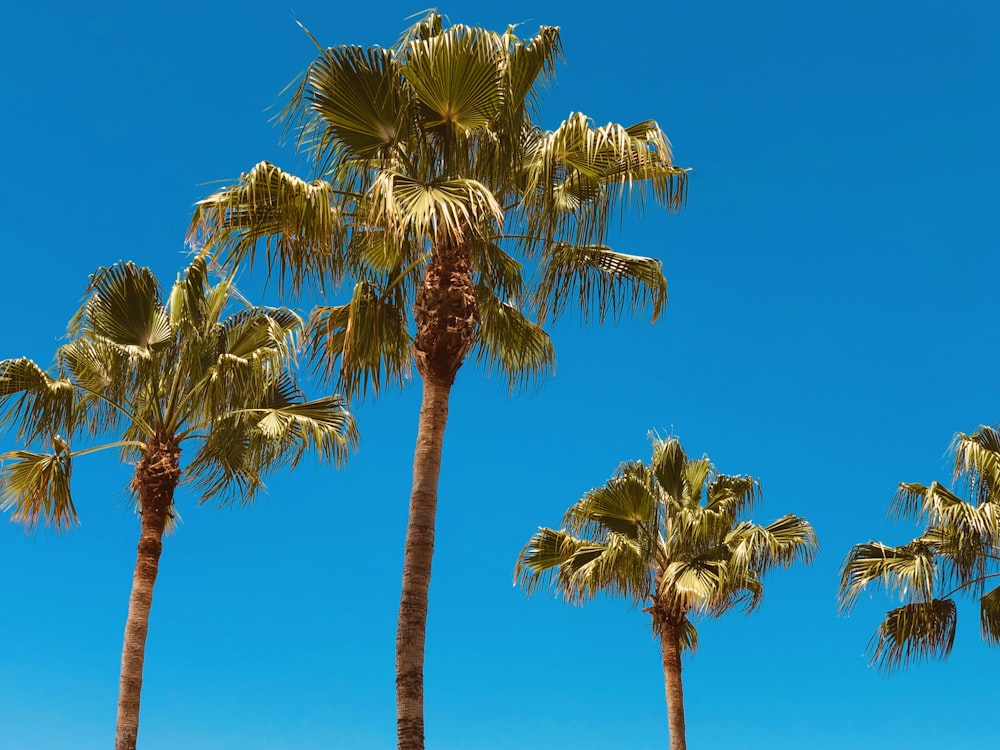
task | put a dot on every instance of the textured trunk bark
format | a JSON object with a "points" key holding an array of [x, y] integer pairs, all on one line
{"points": [[670, 643], [156, 477], [410, 634], [446, 314]]}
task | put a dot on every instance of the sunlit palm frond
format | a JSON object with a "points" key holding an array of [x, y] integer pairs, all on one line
{"points": [[106, 385], [914, 631], [33, 401], [124, 306], [963, 554], [507, 342], [624, 505], [322, 426], [363, 344], [35, 486], [910, 569], [298, 224], [668, 466], [429, 211], [781, 543], [731, 496], [580, 569], [689, 584], [456, 75], [253, 329], [939, 506], [977, 463], [599, 281], [529, 64], [351, 103]]}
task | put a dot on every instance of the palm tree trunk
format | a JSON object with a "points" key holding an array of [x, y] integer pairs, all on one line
{"points": [[155, 478], [446, 313], [411, 630], [670, 644]]}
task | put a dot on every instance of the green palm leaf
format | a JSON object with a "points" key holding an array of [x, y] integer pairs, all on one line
{"points": [[33, 400], [298, 223], [600, 281], [124, 307], [914, 631], [509, 343], [35, 486], [456, 77], [363, 344], [358, 95]]}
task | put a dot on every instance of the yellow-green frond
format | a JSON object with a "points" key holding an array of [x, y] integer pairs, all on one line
{"points": [[599, 281], [907, 570], [35, 486], [298, 225], [33, 401], [363, 344], [915, 631], [507, 342]]}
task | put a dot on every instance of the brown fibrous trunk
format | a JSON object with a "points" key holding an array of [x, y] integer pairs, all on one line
{"points": [[446, 314], [156, 477], [670, 626]]}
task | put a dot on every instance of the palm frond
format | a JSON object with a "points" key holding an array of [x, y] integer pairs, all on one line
{"points": [[938, 505], [908, 570], [622, 505], [509, 343], [989, 616], [977, 463], [579, 569], [35, 486], [351, 103], [914, 631], [428, 211], [363, 344], [37, 403], [498, 269], [298, 224], [456, 76], [124, 306], [599, 281], [781, 543]]}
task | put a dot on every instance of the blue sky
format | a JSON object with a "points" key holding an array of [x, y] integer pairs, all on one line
{"points": [[832, 287]]}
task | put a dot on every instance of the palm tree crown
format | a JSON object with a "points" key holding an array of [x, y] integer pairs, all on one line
{"points": [[958, 552], [158, 375], [428, 149], [669, 536]]}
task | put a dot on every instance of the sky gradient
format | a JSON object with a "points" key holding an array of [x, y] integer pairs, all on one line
{"points": [[832, 290]]}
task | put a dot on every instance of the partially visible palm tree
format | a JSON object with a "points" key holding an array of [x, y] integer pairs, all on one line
{"points": [[957, 553], [434, 186], [670, 537], [160, 376]]}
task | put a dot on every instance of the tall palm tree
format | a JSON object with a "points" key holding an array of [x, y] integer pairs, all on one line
{"points": [[958, 552], [160, 376], [668, 536], [434, 186]]}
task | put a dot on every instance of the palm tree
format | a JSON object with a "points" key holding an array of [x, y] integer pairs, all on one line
{"points": [[160, 376], [958, 552], [434, 186], [668, 536]]}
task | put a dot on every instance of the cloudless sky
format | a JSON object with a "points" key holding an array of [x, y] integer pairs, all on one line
{"points": [[831, 326]]}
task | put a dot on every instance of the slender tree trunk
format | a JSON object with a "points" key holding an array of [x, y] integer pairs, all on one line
{"points": [[156, 477], [446, 314], [670, 644], [410, 634]]}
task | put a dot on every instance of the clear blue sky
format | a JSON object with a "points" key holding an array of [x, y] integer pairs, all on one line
{"points": [[833, 286]]}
